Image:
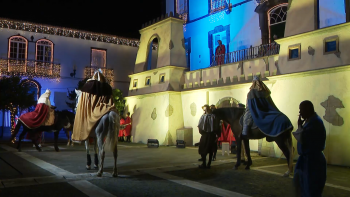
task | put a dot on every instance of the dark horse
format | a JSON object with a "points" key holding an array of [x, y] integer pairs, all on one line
{"points": [[63, 119], [232, 115]]}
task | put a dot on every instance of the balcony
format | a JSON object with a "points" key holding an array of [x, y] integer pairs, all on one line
{"points": [[246, 54], [30, 68], [107, 72], [219, 5]]}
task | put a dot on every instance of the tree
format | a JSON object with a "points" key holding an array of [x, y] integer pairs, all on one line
{"points": [[72, 95], [119, 100], [15, 95]]}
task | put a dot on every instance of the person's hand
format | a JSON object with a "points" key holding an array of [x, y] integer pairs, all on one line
{"points": [[300, 122]]}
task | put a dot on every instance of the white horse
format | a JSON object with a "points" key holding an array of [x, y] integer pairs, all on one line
{"points": [[107, 126]]}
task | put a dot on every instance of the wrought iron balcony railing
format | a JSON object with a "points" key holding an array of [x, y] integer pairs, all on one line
{"points": [[219, 5], [30, 68], [246, 54], [107, 72]]}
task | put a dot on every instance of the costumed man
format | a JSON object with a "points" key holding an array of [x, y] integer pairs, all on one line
{"points": [[209, 129], [311, 167], [43, 115], [128, 127], [220, 53], [95, 101], [262, 112], [121, 130]]}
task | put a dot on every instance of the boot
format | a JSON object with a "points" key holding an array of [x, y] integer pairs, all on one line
{"points": [[88, 163], [96, 161], [203, 165]]}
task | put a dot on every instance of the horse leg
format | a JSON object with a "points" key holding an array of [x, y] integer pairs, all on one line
{"points": [[115, 155], [243, 155], [67, 134], [247, 152], [55, 141], [35, 142], [239, 148], [101, 154], [96, 156], [24, 132], [88, 157], [283, 143]]}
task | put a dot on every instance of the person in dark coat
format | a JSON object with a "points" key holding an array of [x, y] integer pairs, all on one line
{"points": [[209, 129], [311, 168]]}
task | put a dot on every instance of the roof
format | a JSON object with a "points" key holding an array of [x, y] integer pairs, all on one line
{"points": [[66, 32]]}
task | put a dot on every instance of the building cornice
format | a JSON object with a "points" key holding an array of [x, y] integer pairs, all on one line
{"points": [[314, 32], [66, 32], [157, 69], [141, 96], [170, 19]]}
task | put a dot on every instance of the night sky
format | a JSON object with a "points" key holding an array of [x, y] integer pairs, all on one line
{"points": [[117, 17]]}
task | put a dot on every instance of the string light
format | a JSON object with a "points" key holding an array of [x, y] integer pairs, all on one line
{"points": [[31, 27], [30, 69]]}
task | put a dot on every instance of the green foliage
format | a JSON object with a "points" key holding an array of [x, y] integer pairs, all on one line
{"points": [[119, 100]]}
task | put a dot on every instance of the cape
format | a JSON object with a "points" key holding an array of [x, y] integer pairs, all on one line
{"points": [[35, 118], [95, 101], [266, 115]]}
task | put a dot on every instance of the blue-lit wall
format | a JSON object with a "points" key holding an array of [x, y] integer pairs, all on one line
{"points": [[242, 23]]}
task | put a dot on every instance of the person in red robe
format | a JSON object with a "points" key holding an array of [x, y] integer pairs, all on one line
{"points": [[122, 130], [220, 53], [226, 133], [128, 127]]}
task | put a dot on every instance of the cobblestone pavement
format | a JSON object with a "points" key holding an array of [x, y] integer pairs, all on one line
{"points": [[163, 171]]}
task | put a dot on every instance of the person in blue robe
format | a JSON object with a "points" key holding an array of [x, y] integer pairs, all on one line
{"points": [[310, 170], [262, 112]]}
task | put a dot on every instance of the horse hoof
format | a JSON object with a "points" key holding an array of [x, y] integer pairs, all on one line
{"points": [[95, 167], [99, 174], [88, 167], [115, 174], [247, 167]]}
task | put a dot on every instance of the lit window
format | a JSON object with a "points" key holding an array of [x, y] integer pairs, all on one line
{"points": [[148, 81], [98, 58], [134, 85], [44, 50], [17, 48], [294, 52], [331, 45], [161, 78], [218, 5]]}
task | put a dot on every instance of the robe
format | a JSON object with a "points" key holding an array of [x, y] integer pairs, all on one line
{"points": [[220, 54], [226, 134], [121, 131], [128, 127], [311, 167], [35, 118], [209, 128]]}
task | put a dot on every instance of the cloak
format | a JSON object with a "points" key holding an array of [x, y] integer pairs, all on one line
{"points": [[121, 131], [95, 101], [128, 127], [271, 121]]}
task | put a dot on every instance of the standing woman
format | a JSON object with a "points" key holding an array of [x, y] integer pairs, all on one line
{"points": [[128, 127]]}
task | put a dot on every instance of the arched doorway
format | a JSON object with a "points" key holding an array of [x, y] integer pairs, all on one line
{"points": [[227, 102], [152, 56], [35, 88], [277, 17]]}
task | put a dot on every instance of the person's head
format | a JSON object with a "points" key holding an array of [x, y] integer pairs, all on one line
{"points": [[259, 85], [128, 114], [206, 109], [275, 37], [212, 107], [306, 109], [219, 42]]}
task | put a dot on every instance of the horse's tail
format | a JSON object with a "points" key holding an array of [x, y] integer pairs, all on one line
{"points": [[113, 129]]}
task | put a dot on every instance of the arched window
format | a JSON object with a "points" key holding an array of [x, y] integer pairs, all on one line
{"points": [[44, 50], [152, 56], [17, 48], [277, 17]]}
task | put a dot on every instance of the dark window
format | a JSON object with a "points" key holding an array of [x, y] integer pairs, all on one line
{"points": [[331, 46], [293, 53], [135, 83], [148, 81], [161, 80]]}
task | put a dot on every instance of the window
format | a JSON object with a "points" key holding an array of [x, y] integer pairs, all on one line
{"points": [[277, 17], [161, 78], [331, 45], [98, 58], [294, 52], [148, 81], [218, 5], [134, 84], [44, 50], [17, 48]]}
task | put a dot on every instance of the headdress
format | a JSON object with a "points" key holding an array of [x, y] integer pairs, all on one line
{"points": [[256, 78], [98, 76], [259, 85]]}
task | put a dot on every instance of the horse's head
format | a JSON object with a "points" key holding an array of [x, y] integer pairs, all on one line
{"points": [[78, 92]]}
